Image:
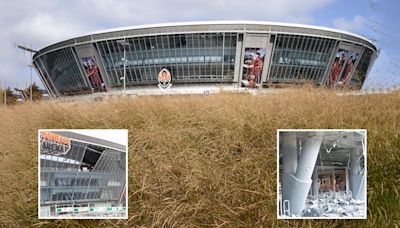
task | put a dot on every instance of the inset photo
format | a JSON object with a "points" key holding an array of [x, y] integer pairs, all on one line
{"points": [[322, 174], [83, 174]]}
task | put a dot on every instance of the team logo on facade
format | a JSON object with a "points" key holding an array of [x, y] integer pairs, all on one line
{"points": [[53, 144], [164, 79]]}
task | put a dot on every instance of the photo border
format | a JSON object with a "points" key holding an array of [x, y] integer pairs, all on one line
{"points": [[324, 130], [126, 177]]}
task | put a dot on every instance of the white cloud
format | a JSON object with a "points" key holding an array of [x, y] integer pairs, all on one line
{"points": [[45, 28], [357, 23], [47, 21]]}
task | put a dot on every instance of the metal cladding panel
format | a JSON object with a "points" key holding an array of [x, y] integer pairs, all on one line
{"points": [[90, 139], [83, 39]]}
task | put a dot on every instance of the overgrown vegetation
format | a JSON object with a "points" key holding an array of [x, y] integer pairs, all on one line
{"points": [[204, 161]]}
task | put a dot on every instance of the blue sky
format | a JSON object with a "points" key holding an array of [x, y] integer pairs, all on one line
{"points": [[44, 22]]}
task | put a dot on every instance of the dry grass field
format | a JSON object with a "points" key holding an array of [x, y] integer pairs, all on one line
{"points": [[204, 161]]}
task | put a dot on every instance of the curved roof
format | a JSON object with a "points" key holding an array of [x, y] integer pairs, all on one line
{"points": [[273, 27]]}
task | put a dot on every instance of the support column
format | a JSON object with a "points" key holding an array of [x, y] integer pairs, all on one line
{"points": [[300, 183], [289, 161], [357, 185], [289, 153], [315, 182], [333, 180], [347, 181]]}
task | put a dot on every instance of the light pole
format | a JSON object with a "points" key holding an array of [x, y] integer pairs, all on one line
{"points": [[30, 50], [124, 44]]}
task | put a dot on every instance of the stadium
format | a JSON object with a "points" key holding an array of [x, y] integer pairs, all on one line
{"points": [[81, 176], [233, 54]]}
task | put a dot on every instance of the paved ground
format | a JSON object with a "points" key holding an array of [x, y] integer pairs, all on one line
{"points": [[203, 89]]}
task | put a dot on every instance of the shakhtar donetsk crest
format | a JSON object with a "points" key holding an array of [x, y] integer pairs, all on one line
{"points": [[164, 79]]}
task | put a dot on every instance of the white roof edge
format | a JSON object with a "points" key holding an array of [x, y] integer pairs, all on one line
{"points": [[222, 22], [226, 22]]}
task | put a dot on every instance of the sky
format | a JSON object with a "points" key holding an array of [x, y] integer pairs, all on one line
{"points": [[37, 24]]}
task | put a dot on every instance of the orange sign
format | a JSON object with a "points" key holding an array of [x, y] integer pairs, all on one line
{"points": [[54, 138]]}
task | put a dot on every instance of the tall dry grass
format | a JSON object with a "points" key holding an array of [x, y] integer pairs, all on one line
{"points": [[204, 161]]}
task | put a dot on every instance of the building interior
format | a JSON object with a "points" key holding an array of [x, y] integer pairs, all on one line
{"points": [[322, 174]]}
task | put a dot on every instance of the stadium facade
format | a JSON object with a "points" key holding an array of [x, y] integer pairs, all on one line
{"points": [[81, 176], [239, 53]]}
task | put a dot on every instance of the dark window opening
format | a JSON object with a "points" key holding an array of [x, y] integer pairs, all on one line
{"points": [[92, 155]]}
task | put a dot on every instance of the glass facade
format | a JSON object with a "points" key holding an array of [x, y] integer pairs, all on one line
{"points": [[300, 58], [360, 73], [45, 77], [61, 69], [87, 173], [199, 57]]}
